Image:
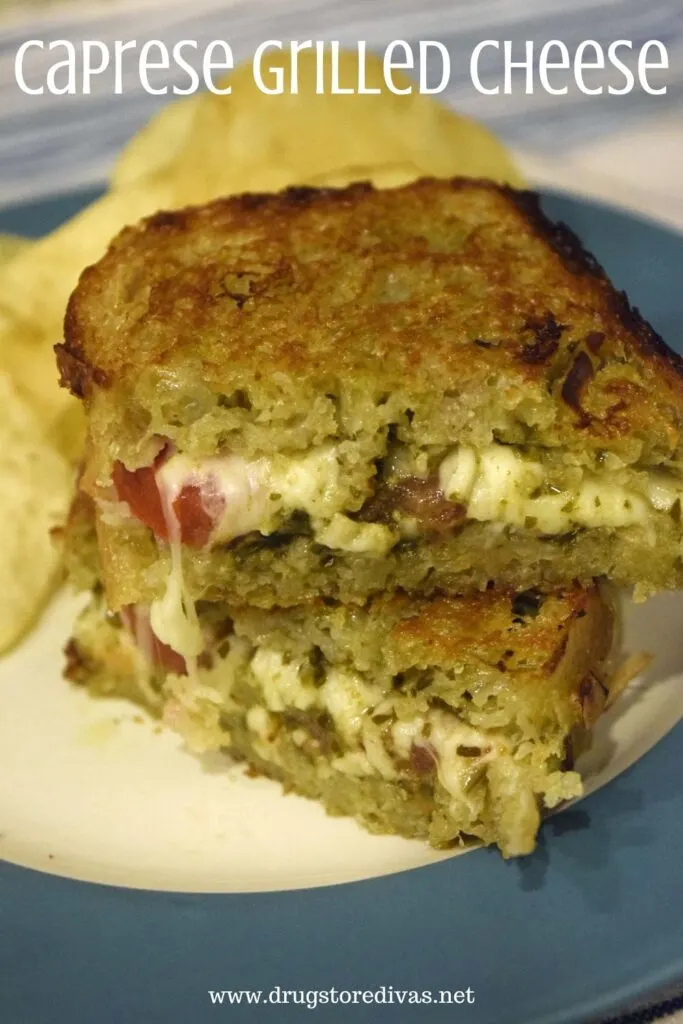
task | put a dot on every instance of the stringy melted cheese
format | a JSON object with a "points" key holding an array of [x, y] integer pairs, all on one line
{"points": [[498, 484], [173, 616]]}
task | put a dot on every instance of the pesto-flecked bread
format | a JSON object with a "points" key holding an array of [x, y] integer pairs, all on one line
{"points": [[442, 719], [339, 392]]}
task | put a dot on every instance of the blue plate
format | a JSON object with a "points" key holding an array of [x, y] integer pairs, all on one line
{"points": [[592, 921]]}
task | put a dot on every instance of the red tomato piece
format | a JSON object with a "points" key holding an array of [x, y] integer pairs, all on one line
{"points": [[165, 657], [194, 521], [138, 488]]}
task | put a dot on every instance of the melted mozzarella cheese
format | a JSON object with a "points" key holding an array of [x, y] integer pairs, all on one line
{"points": [[446, 735], [173, 617], [404, 733], [500, 484], [376, 752], [601, 503], [345, 534], [348, 698], [281, 681], [246, 495], [306, 484], [241, 496], [234, 491], [354, 762], [663, 492], [260, 722]]}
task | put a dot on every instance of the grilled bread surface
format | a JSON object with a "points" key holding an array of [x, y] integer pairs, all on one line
{"points": [[457, 301]]}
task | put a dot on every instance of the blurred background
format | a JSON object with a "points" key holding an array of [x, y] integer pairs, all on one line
{"points": [[625, 148]]}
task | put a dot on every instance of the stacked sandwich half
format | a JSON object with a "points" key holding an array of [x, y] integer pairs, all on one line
{"points": [[357, 462]]}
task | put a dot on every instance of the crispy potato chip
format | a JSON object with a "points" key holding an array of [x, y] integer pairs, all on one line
{"points": [[383, 176], [157, 145], [252, 141], [34, 288], [37, 487], [29, 359], [36, 284], [10, 245], [68, 431]]}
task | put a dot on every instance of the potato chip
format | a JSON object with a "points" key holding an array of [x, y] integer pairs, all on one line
{"points": [[157, 145], [34, 288], [382, 176], [36, 284], [36, 491], [68, 430], [10, 245], [28, 357], [252, 141]]}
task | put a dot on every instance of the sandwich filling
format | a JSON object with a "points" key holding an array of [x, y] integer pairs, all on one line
{"points": [[220, 499]]}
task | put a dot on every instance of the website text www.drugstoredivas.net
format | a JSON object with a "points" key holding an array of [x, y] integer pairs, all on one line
{"points": [[315, 998]]}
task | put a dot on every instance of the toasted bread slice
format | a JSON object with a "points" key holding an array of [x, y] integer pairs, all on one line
{"points": [[430, 386], [442, 720], [434, 291]]}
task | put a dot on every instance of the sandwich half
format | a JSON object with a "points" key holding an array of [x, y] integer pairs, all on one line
{"points": [[445, 719], [334, 393]]}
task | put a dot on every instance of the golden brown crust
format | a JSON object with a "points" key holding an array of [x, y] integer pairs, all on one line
{"points": [[431, 289], [75, 371], [512, 632], [578, 260]]}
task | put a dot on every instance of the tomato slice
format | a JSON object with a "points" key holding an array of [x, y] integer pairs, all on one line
{"points": [[194, 521], [140, 490], [165, 657]]}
